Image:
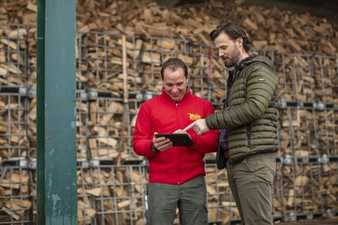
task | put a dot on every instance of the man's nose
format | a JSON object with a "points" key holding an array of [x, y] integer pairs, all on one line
{"points": [[174, 89]]}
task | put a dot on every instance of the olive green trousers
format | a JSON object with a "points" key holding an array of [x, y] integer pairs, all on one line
{"points": [[251, 184], [189, 198]]}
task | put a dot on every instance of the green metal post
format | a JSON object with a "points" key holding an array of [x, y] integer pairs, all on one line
{"points": [[56, 154]]}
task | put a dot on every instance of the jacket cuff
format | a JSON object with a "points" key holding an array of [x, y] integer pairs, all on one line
{"points": [[209, 121], [194, 137]]}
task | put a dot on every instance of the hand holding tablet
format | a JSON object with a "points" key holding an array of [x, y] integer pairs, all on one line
{"points": [[178, 139]]}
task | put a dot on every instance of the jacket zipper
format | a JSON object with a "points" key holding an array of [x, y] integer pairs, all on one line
{"points": [[178, 176], [248, 135]]}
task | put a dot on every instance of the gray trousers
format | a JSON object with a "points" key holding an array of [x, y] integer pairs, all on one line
{"points": [[189, 198], [251, 183]]}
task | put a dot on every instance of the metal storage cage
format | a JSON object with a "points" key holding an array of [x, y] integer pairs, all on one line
{"points": [[111, 178], [16, 194], [116, 192], [14, 141]]}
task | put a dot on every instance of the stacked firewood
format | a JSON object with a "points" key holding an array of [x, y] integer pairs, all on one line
{"points": [[308, 132], [305, 188], [153, 34], [108, 134], [101, 64], [329, 185], [82, 118], [13, 56], [15, 192], [114, 194], [13, 138], [221, 205], [270, 27], [307, 78], [100, 59]]}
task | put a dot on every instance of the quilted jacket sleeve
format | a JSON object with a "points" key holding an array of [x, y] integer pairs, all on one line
{"points": [[261, 86], [207, 142]]}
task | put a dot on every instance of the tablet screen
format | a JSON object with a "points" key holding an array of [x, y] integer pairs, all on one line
{"points": [[178, 139]]}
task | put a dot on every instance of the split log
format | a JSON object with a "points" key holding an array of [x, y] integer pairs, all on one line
{"points": [[85, 211]]}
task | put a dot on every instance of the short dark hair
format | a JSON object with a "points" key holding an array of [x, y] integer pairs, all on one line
{"points": [[233, 31], [174, 64]]}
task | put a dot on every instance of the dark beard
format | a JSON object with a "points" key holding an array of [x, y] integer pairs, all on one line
{"points": [[229, 63]]}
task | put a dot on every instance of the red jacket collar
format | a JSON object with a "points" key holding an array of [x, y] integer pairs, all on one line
{"points": [[187, 95]]}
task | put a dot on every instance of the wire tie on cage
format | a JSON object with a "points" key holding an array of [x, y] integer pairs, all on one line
{"points": [[92, 94]]}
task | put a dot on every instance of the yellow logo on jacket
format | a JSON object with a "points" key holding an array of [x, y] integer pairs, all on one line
{"points": [[193, 116]]}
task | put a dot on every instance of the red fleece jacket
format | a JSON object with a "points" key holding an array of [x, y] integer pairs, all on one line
{"points": [[163, 115]]}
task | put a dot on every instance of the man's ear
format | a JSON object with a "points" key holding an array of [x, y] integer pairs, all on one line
{"points": [[188, 82], [240, 42]]}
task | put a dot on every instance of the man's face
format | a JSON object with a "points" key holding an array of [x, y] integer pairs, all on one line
{"points": [[228, 49], [175, 83]]}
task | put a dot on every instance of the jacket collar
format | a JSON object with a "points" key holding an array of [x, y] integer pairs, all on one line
{"points": [[168, 98]]}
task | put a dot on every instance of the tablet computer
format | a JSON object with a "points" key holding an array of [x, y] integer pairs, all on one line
{"points": [[178, 139]]}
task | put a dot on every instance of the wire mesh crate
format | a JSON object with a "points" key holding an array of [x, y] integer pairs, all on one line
{"points": [[98, 64], [82, 125], [221, 205], [117, 192], [101, 63], [14, 142], [302, 189], [329, 186], [295, 132], [13, 56], [15, 193], [308, 129], [307, 77], [325, 130], [278, 190], [108, 131], [325, 70]]}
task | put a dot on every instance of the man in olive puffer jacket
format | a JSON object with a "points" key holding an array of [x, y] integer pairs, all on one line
{"points": [[251, 124]]}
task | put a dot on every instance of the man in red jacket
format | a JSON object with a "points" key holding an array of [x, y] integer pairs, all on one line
{"points": [[176, 173]]}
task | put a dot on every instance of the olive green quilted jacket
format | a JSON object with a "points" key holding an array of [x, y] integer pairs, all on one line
{"points": [[250, 119]]}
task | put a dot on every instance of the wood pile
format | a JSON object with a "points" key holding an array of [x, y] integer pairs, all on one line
{"points": [[100, 55], [327, 129], [108, 138], [269, 27], [308, 133], [32, 129], [13, 138], [100, 63], [85, 211], [308, 78], [328, 185], [15, 190], [114, 194], [221, 205], [82, 118], [305, 188], [13, 55]]}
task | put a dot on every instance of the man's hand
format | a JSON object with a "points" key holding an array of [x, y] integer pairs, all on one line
{"points": [[161, 143], [180, 131], [200, 126]]}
